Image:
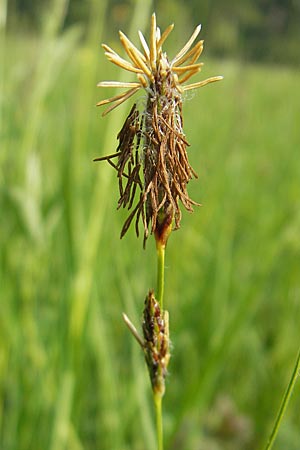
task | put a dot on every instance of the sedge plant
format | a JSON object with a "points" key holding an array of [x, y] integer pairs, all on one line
{"points": [[153, 171]]}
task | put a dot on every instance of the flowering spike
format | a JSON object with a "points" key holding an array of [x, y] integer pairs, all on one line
{"points": [[156, 342], [151, 159]]}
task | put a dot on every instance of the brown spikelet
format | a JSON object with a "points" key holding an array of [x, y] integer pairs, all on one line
{"points": [[156, 342]]}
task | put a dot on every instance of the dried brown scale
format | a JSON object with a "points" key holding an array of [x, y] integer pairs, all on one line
{"points": [[167, 152]]}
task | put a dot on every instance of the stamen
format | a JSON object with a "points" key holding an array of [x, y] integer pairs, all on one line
{"points": [[144, 45], [139, 63], [164, 36], [116, 59], [189, 54], [186, 68], [187, 45], [118, 84], [153, 49], [118, 102], [197, 54], [142, 80], [109, 50], [128, 45], [201, 83], [158, 35], [189, 75], [111, 99]]}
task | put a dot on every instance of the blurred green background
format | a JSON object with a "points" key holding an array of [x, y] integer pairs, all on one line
{"points": [[71, 376]]}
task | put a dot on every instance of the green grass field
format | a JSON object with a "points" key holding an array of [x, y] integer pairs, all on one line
{"points": [[71, 376]]}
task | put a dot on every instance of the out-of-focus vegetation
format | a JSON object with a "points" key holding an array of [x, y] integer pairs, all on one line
{"points": [[71, 376], [259, 30]]}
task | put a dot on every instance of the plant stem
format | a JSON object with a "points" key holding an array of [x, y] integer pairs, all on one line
{"points": [[159, 421], [284, 404], [160, 248]]}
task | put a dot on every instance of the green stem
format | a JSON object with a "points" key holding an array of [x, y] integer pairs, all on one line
{"points": [[284, 404], [160, 248], [159, 421]]}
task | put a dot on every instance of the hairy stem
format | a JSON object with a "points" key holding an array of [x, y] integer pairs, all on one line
{"points": [[284, 404]]}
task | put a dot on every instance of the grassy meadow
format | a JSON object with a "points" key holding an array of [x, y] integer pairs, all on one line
{"points": [[71, 376]]}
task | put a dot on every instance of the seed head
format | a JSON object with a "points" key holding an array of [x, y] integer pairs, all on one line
{"points": [[151, 155]]}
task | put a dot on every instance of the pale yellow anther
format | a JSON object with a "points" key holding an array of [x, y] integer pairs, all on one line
{"points": [[151, 65], [201, 83], [118, 84], [128, 45], [140, 63], [144, 45], [164, 36], [187, 45], [192, 54], [142, 80], [109, 50], [153, 49], [122, 63], [119, 101], [186, 68], [188, 75]]}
